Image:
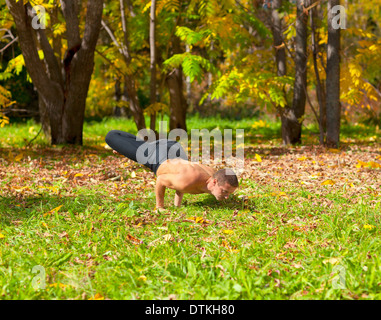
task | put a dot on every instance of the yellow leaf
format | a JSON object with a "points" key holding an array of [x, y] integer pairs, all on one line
{"points": [[61, 285], [224, 244], [328, 182], [146, 7], [331, 261], [52, 211], [2, 236], [374, 165], [334, 150], [167, 237], [228, 231], [78, 175], [142, 278], [302, 158], [279, 194], [97, 296], [360, 164], [258, 157], [199, 220]]}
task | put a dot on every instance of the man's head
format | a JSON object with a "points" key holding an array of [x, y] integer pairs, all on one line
{"points": [[223, 183]]}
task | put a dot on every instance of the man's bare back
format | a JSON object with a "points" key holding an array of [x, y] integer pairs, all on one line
{"points": [[187, 177]]}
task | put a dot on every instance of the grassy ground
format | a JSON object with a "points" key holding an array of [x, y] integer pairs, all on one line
{"points": [[81, 222]]}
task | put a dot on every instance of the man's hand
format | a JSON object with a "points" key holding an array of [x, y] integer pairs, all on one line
{"points": [[115, 152]]}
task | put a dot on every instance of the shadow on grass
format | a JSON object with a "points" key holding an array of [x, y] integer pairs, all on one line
{"points": [[55, 153], [15, 209], [210, 202]]}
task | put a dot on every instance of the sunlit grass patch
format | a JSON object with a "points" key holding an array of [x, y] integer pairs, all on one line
{"points": [[83, 219]]}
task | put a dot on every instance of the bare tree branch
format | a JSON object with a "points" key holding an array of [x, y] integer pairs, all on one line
{"points": [[125, 48], [112, 37], [9, 44]]}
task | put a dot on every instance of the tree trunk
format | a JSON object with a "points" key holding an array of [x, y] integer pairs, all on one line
{"points": [[178, 105], [286, 113], [44, 116], [136, 111], [117, 110], [333, 80], [319, 85], [280, 52], [293, 118], [152, 44], [129, 80], [63, 95]]}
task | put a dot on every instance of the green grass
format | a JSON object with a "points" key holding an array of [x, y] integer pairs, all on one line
{"points": [[274, 239]]}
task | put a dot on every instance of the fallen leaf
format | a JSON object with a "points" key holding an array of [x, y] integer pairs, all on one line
{"points": [[18, 157], [328, 182], [360, 164], [331, 261], [133, 239], [60, 285], [97, 296], [52, 211], [142, 278], [374, 165], [258, 157], [167, 237], [199, 220]]}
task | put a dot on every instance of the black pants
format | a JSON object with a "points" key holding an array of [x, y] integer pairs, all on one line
{"points": [[149, 154]]}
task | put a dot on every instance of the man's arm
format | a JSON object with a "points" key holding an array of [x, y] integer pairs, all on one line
{"points": [[178, 198], [179, 182], [159, 191]]}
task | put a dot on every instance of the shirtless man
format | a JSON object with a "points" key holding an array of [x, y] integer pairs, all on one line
{"points": [[169, 163]]}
